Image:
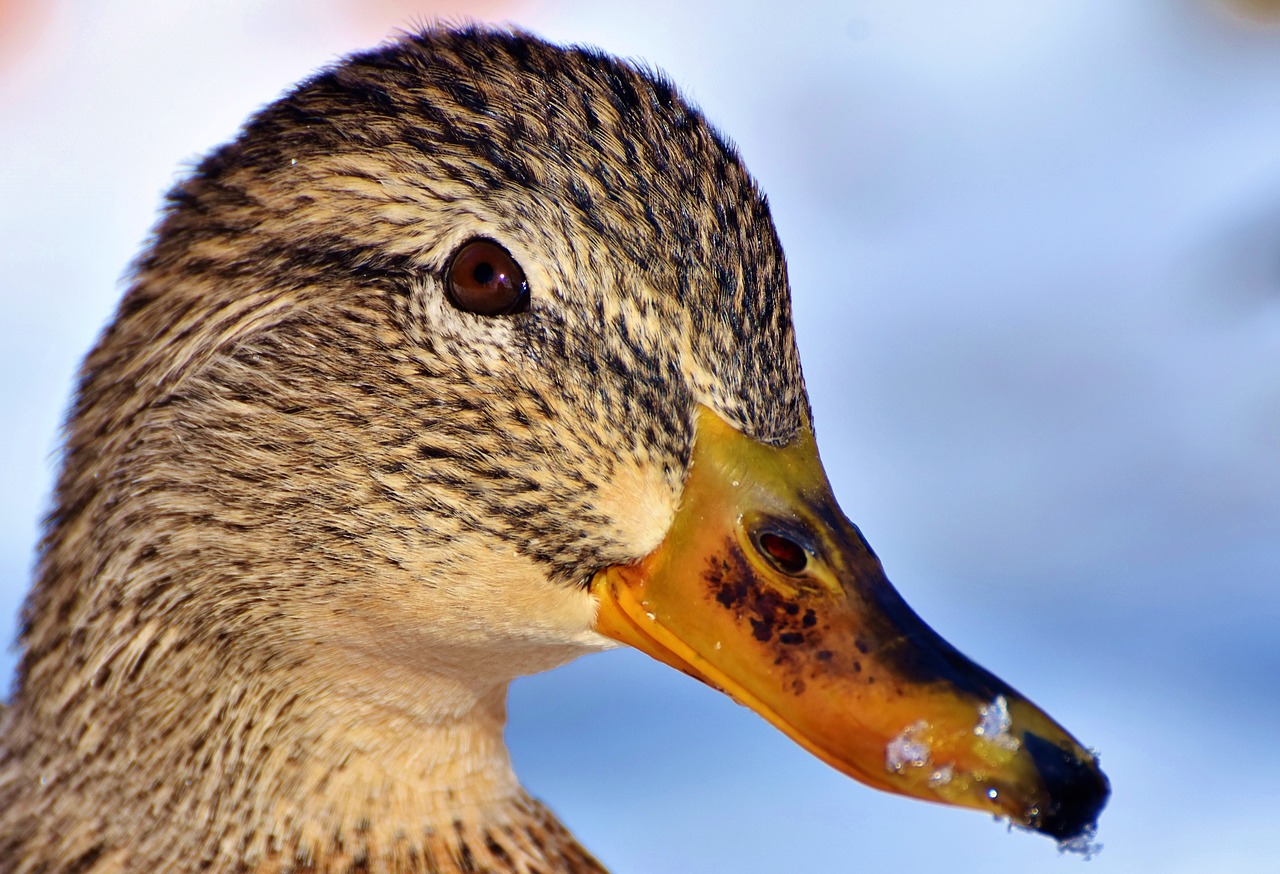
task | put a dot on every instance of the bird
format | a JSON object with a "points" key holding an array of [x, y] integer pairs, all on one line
{"points": [[469, 355]]}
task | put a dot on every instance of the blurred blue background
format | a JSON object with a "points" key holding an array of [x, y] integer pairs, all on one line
{"points": [[1035, 257]]}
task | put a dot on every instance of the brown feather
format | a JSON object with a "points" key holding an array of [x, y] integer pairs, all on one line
{"points": [[312, 520]]}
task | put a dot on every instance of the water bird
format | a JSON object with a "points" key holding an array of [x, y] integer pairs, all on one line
{"points": [[469, 355]]}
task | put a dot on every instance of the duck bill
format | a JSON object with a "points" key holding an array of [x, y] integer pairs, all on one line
{"points": [[764, 590]]}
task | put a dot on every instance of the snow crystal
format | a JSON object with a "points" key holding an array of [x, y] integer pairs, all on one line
{"points": [[1082, 844], [908, 749], [994, 722], [941, 776]]}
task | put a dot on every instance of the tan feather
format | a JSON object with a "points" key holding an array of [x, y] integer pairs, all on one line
{"points": [[312, 519]]}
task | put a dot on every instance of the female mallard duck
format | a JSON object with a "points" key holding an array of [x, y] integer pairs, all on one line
{"points": [[470, 355]]}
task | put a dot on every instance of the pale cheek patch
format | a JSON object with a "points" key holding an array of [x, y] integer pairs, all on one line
{"points": [[640, 504], [490, 617]]}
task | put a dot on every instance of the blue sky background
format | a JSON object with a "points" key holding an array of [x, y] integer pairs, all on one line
{"points": [[1035, 258]]}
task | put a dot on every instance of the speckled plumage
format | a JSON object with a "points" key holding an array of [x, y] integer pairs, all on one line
{"points": [[258, 640]]}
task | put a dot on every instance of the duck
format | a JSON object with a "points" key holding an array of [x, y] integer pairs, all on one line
{"points": [[469, 355]]}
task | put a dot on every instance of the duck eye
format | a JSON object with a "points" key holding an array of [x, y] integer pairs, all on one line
{"points": [[782, 552], [484, 279]]}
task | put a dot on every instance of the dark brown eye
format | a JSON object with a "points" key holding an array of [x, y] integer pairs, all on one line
{"points": [[782, 552], [484, 279]]}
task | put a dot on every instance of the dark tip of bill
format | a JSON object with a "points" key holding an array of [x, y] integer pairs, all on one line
{"points": [[1077, 790]]}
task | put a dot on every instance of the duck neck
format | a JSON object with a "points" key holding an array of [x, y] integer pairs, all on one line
{"points": [[329, 777], [389, 786]]}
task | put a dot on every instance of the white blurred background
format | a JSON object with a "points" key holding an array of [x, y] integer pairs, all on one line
{"points": [[1035, 256]]}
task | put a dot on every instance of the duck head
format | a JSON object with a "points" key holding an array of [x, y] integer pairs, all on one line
{"points": [[469, 355]]}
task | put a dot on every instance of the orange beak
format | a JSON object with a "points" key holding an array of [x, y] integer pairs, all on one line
{"points": [[764, 590]]}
